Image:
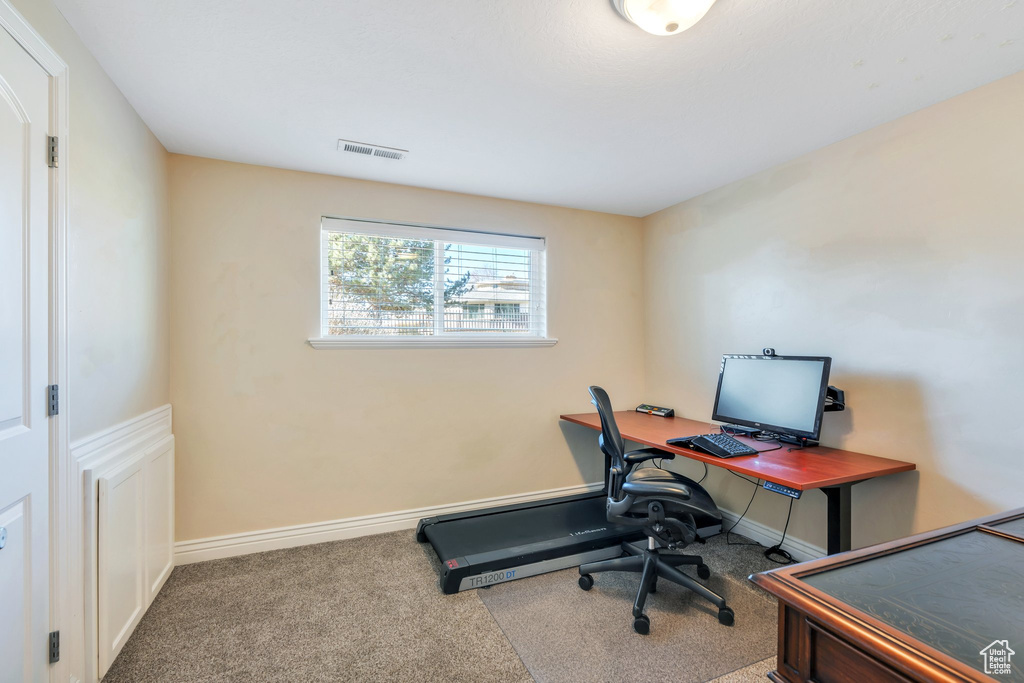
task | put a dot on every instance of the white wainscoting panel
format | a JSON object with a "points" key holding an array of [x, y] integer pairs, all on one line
{"points": [[121, 589], [159, 517], [127, 473]]}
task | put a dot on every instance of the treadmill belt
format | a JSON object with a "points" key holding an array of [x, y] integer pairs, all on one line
{"points": [[485, 533]]}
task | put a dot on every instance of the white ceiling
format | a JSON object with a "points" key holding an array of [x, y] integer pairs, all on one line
{"points": [[552, 101]]}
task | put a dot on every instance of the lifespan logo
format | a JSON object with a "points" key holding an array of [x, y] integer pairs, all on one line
{"points": [[997, 657]]}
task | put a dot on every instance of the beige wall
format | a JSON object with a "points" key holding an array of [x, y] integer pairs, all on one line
{"points": [[897, 252], [117, 242], [270, 432]]}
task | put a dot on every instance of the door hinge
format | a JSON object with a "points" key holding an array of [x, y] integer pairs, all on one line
{"points": [[52, 400], [52, 153], [54, 647]]}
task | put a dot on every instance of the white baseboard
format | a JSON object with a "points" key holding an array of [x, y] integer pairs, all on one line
{"points": [[767, 536], [231, 545]]}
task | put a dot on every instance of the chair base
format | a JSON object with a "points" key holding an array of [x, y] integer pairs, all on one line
{"points": [[652, 566]]}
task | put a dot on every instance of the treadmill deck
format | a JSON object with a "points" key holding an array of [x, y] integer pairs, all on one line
{"points": [[485, 547], [502, 530]]}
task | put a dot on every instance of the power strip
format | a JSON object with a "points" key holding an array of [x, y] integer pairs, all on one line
{"points": [[784, 490], [655, 410]]}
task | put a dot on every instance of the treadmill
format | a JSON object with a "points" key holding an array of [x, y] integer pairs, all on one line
{"points": [[480, 548]]}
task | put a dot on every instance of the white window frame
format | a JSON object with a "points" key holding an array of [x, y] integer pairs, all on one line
{"points": [[418, 231]]}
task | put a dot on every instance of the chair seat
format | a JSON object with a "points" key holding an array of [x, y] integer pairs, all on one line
{"points": [[651, 482]]}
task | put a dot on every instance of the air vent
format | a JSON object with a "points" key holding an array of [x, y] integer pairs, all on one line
{"points": [[358, 149], [388, 154], [366, 149]]}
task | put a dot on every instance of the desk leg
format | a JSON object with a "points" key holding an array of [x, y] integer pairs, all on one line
{"points": [[838, 517]]}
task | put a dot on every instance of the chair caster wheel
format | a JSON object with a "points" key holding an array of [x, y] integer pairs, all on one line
{"points": [[726, 616], [704, 572], [586, 582], [642, 625]]}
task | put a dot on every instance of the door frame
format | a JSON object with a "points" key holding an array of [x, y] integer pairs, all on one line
{"points": [[65, 515]]}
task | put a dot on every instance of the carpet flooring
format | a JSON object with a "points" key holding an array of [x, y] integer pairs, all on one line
{"points": [[369, 609], [366, 609], [755, 673], [541, 615]]}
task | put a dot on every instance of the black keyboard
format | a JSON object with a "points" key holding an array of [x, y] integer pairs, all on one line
{"points": [[718, 445]]}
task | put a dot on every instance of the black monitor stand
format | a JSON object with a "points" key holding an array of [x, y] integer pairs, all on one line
{"points": [[795, 440]]}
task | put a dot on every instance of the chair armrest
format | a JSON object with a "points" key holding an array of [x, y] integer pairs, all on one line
{"points": [[642, 454]]}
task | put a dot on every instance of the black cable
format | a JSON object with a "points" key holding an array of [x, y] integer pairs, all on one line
{"points": [[758, 482], [777, 548], [757, 486], [662, 460], [759, 436], [771, 436]]}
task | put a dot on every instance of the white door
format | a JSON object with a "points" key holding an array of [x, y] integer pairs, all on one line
{"points": [[24, 432]]}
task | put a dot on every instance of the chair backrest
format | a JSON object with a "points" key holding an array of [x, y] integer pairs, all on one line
{"points": [[610, 440]]}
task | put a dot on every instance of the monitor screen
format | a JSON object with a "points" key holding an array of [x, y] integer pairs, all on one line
{"points": [[782, 394]]}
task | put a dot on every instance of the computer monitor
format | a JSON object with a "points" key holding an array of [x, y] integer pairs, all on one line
{"points": [[780, 394]]}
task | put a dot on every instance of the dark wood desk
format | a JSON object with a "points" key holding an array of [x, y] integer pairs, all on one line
{"points": [[829, 469], [938, 606]]}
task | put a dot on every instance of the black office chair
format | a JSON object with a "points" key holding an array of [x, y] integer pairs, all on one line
{"points": [[669, 507]]}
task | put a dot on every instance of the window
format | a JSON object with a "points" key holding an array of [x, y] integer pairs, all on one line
{"points": [[506, 310], [474, 311], [389, 284]]}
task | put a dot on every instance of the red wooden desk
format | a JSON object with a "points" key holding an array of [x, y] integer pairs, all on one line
{"points": [[829, 469]]}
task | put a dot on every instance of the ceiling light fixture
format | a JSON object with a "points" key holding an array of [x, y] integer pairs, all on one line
{"points": [[663, 17]]}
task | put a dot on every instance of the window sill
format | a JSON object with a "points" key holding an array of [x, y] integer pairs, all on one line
{"points": [[467, 342]]}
